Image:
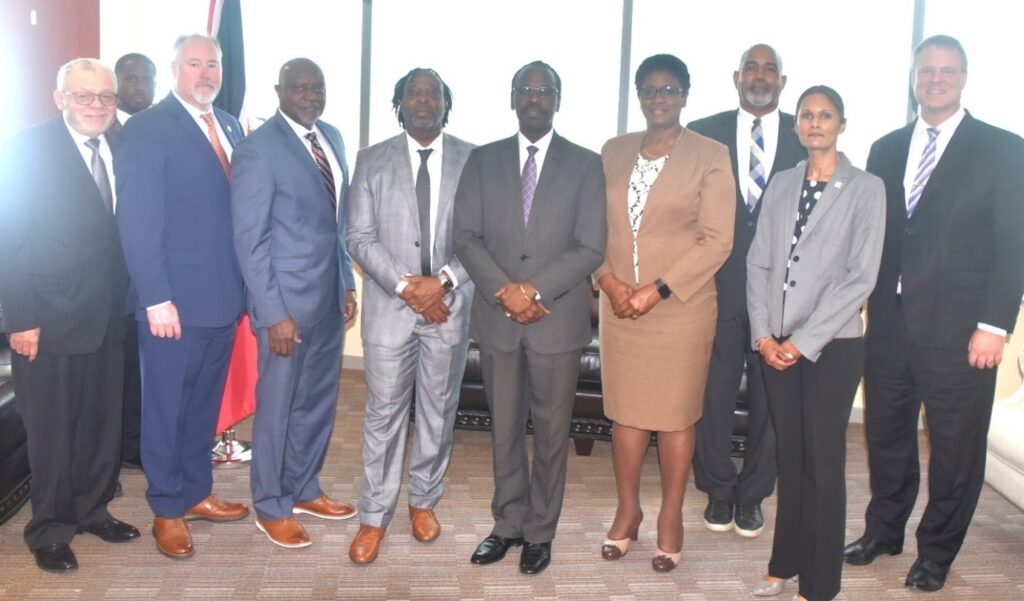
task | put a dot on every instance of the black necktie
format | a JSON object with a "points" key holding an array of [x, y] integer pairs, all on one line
{"points": [[99, 173], [423, 203]]}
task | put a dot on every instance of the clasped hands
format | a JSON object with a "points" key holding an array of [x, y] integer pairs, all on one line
{"points": [[519, 300], [425, 295], [780, 355], [628, 302]]}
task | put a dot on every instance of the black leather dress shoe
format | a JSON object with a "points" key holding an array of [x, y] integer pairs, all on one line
{"points": [[865, 549], [113, 531], [56, 558], [927, 575], [493, 548], [535, 557]]}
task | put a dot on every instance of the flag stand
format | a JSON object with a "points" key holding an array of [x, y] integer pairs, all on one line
{"points": [[230, 452]]}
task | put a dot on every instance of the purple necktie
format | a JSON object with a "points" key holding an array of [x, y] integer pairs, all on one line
{"points": [[924, 171], [529, 183]]}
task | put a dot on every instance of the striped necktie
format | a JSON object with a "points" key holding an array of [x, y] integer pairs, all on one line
{"points": [[325, 168], [757, 160], [529, 182], [924, 171]]}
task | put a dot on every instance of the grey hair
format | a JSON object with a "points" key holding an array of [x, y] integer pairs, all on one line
{"points": [[188, 37], [82, 64], [746, 53]]}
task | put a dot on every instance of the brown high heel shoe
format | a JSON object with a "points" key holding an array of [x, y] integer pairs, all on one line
{"points": [[666, 562], [616, 549]]}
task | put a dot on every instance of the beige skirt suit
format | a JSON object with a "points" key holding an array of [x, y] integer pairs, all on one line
{"points": [[653, 369]]}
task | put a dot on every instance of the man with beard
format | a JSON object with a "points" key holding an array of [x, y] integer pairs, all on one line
{"points": [[415, 308], [288, 188], [173, 169], [761, 142]]}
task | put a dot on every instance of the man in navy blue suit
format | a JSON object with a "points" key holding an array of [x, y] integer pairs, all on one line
{"points": [[288, 189], [175, 221]]}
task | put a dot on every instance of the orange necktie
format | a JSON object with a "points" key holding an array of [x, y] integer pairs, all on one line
{"points": [[215, 141]]}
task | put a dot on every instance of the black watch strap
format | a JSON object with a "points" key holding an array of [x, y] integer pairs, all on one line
{"points": [[663, 290]]}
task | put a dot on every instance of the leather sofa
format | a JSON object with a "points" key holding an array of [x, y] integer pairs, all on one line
{"points": [[14, 473], [1004, 468], [588, 421]]}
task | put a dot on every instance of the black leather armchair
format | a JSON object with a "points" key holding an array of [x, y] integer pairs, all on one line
{"points": [[14, 473]]}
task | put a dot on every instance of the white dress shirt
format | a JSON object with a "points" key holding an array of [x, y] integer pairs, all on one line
{"points": [[770, 133], [105, 154], [542, 151]]}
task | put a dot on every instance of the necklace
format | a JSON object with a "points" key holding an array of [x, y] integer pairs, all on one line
{"points": [[652, 158]]}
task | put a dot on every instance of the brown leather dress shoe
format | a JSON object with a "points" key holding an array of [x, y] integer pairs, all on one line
{"points": [[172, 537], [366, 544], [326, 508], [424, 524], [287, 533], [212, 509]]}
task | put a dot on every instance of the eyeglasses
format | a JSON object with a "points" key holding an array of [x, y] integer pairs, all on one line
{"points": [[86, 98], [649, 92], [543, 91]]}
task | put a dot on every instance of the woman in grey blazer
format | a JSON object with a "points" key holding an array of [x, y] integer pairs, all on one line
{"points": [[811, 267]]}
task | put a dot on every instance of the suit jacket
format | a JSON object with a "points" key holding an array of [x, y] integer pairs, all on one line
{"points": [[286, 230], [959, 255], [174, 213], [731, 279], [383, 227], [559, 248], [832, 268], [64, 269]]}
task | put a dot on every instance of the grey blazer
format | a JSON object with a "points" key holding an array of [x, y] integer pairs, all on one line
{"points": [[559, 248], [383, 233], [832, 268]]}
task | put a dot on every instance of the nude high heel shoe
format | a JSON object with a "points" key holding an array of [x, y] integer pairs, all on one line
{"points": [[617, 549], [666, 562]]}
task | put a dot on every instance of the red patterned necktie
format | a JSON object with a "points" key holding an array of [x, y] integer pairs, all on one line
{"points": [[325, 168]]}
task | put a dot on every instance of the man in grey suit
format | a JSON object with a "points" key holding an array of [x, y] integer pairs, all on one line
{"points": [[416, 299], [289, 184], [530, 228]]}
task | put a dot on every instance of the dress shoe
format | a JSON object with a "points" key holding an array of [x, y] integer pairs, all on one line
{"points": [[493, 548], [424, 524], [56, 558], [927, 575], [666, 562], [212, 509], [865, 549], [613, 549], [771, 588], [287, 533], [112, 531], [326, 508], [749, 520], [535, 557], [172, 537], [366, 544], [718, 516]]}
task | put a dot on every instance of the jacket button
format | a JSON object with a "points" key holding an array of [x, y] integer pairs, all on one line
{"points": [[792, 283], [750, 223], [909, 231], [416, 244], [796, 259], [523, 258]]}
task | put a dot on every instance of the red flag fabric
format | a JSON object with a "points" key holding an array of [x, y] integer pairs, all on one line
{"points": [[239, 401]]}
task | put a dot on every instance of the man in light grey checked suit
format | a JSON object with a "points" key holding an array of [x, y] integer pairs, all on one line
{"points": [[416, 299]]}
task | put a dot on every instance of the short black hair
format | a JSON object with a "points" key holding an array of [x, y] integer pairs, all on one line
{"points": [[543, 65], [832, 95], [663, 62], [396, 99], [942, 41], [137, 57]]}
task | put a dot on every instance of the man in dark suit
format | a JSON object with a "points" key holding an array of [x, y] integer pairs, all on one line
{"points": [[530, 228], [136, 82], [173, 171], [761, 142], [63, 294], [288, 188], [416, 300], [948, 293]]}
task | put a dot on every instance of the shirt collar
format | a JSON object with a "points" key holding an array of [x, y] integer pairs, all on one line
{"points": [[80, 138], [947, 126], [747, 117], [299, 129], [195, 112], [435, 145], [541, 144]]}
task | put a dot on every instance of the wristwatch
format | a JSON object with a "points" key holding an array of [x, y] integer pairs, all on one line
{"points": [[446, 282], [663, 290]]}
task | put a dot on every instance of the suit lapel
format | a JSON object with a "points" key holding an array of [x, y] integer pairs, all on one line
{"points": [[401, 175], [734, 155], [513, 182], [449, 181], [297, 149], [545, 194], [233, 134], [945, 170], [829, 195], [78, 173]]}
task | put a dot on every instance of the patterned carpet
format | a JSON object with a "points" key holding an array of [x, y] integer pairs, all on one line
{"points": [[235, 561]]}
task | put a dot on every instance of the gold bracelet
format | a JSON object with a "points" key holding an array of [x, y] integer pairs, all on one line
{"points": [[525, 295]]}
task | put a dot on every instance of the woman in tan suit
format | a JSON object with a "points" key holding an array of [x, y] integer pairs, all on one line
{"points": [[671, 204]]}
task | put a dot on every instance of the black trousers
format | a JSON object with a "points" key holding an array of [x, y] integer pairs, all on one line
{"points": [[810, 405], [71, 407], [713, 469], [131, 415], [898, 378]]}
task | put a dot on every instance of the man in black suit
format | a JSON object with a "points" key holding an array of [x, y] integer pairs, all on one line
{"points": [[64, 296], [136, 84], [762, 142], [948, 292]]}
